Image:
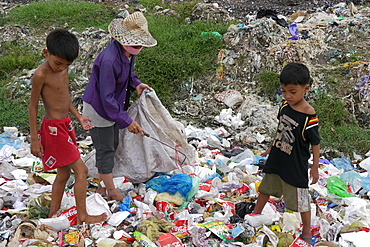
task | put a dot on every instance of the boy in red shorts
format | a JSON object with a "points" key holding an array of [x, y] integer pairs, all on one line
{"points": [[55, 142]]}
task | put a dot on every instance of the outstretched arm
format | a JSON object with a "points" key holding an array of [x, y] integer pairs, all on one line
{"points": [[83, 120]]}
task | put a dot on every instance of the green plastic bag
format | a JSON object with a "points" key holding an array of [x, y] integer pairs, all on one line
{"points": [[336, 186]]}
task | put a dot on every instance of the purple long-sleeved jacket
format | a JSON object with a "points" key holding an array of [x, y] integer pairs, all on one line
{"points": [[111, 81]]}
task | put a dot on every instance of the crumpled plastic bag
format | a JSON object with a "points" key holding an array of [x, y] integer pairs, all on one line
{"points": [[139, 157], [181, 183], [342, 163], [336, 186]]}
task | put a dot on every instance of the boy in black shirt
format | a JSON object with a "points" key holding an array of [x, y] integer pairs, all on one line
{"points": [[287, 165]]}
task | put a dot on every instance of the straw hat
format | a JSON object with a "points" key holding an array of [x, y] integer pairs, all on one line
{"points": [[132, 30]]}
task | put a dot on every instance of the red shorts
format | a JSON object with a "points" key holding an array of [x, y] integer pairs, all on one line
{"points": [[58, 139]]}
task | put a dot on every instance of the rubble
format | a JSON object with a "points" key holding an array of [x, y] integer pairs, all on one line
{"points": [[229, 124]]}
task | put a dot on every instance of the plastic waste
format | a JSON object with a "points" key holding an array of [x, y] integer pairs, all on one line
{"points": [[97, 205], [258, 220], [10, 139], [58, 223], [247, 155], [125, 204], [215, 34], [342, 163], [365, 183], [353, 178], [181, 183], [336, 186]]}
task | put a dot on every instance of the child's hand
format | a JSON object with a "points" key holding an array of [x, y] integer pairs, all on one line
{"points": [[314, 175], [267, 152], [141, 87], [85, 122], [135, 128], [37, 149]]}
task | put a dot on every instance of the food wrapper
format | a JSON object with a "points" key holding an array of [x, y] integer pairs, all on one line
{"points": [[229, 206], [69, 239], [219, 229], [143, 240], [298, 242], [180, 228], [71, 215], [168, 239]]}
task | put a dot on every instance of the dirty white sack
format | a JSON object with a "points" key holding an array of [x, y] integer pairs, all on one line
{"points": [[139, 157]]}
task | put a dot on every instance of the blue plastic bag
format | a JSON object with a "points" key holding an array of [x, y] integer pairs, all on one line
{"points": [[365, 183], [8, 138], [342, 163], [126, 203], [181, 183]]}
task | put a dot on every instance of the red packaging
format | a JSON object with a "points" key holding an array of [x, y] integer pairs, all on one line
{"points": [[163, 206], [71, 215], [202, 203], [315, 231], [229, 206], [172, 215], [205, 187], [243, 189], [298, 242], [180, 228], [169, 240]]}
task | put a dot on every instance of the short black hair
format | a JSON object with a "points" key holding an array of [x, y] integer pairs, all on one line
{"points": [[295, 73], [63, 44]]}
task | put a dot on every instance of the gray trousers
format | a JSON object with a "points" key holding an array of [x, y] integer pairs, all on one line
{"points": [[105, 141]]}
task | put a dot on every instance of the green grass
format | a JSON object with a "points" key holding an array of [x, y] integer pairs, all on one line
{"points": [[62, 14], [338, 128], [15, 57], [182, 52], [269, 83]]}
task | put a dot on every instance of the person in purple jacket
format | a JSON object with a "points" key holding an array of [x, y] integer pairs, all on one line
{"points": [[107, 95]]}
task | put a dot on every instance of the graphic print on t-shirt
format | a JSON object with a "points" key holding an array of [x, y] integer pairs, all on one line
{"points": [[285, 137]]}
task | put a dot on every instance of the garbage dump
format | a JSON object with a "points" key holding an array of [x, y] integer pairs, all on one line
{"points": [[206, 199]]}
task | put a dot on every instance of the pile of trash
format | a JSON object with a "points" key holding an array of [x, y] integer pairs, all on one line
{"points": [[205, 203]]}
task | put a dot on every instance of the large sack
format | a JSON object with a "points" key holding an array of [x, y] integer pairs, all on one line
{"points": [[138, 158]]}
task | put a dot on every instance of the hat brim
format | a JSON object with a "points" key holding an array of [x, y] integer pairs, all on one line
{"points": [[136, 37]]}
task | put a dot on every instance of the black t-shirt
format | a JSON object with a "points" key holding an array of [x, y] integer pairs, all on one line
{"points": [[290, 151]]}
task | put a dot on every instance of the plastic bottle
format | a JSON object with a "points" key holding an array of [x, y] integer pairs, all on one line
{"points": [[58, 223]]}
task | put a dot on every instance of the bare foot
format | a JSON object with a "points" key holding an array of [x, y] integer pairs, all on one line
{"points": [[102, 191], [52, 213], [116, 196], [93, 219]]}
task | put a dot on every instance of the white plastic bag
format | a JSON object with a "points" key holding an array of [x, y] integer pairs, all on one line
{"points": [[138, 158]]}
